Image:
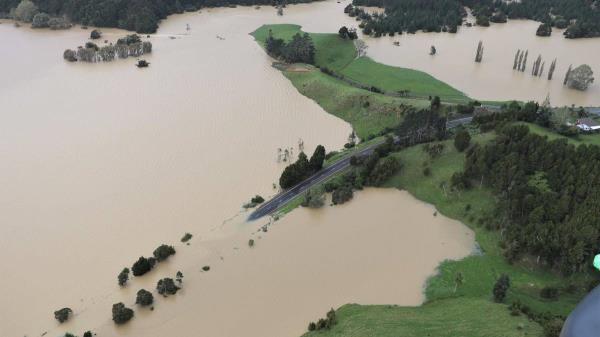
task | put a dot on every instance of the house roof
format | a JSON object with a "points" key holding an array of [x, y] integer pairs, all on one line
{"points": [[587, 121]]}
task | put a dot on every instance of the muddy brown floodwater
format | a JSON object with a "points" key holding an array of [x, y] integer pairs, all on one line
{"points": [[494, 78], [101, 163]]}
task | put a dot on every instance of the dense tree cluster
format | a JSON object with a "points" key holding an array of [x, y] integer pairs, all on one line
{"points": [[300, 49], [409, 16], [142, 16], [131, 45], [421, 126], [580, 17], [346, 33], [369, 170], [548, 196], [302, 168]]}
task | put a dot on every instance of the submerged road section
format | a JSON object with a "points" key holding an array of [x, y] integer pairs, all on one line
{"points": [[284, 197]]}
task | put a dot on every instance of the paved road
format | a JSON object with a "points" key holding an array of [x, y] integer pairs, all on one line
{"points": [[282, 198]]}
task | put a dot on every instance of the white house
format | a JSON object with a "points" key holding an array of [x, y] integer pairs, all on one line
{"points": [[587, 124]]}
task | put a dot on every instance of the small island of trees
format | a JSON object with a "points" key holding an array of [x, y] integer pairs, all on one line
{"points": [[130, 45]]}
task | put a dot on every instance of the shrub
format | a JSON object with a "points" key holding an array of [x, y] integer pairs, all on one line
{"points": [[462, 140], [123, 276], [544, 30], [553, 327], [312, 326], [342, 194], [163, 252], [313, 198], [87, 334], [549, 293], [251, 243], [257, 199], [142, 266], [167, 287], [95, 34], [70, 55], [62, 315], [91, 45], [144, 298], [501, 288], [427, 171], [187, 237], [179, 276], [121, 314], [206, 268]]}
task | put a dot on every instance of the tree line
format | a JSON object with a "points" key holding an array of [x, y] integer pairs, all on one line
{"points": [[581, 18], [548, 195], [142, 16], [300, 49], [131, 45]]}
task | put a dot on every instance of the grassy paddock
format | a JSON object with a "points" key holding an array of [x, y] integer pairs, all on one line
{"points": [[340, 55], [459, 317]]}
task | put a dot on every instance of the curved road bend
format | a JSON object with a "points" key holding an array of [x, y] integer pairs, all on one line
{"points": [[284, 197]]}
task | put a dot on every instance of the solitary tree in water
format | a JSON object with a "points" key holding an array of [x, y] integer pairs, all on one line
{"points": [[524, 64], [516, 59], [567, 74], [479, 55], [551, 70]]}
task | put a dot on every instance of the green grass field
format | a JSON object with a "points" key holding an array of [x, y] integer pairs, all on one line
{"points": [[369, 113], [340, 55], [447, 318]]}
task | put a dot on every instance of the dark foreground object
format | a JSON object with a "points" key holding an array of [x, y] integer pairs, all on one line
{"points": [[584, 321]]}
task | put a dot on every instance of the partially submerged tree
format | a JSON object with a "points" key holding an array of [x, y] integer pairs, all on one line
{"points": [[144, 298], [95, 34], [142, 266], [121, 314], [551, 70], [163, 252], [479, 54], [167, 287], [580, 78], [123, 277], [544, 30], [62, 315]]}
